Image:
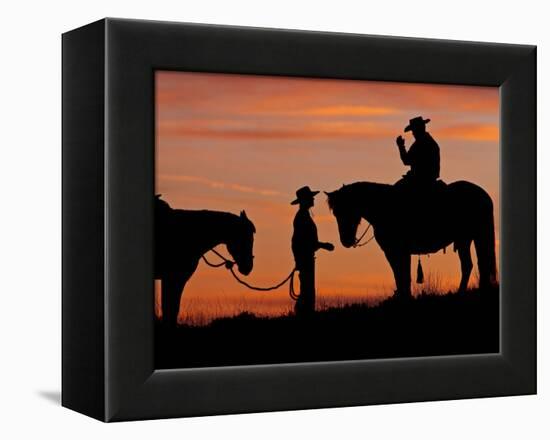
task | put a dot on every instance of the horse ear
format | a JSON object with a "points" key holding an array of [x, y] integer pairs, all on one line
{"points": [[245, 217]]}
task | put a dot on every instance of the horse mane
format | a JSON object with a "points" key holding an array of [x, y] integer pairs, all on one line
{"points": [[349, 194], [203, 216]]}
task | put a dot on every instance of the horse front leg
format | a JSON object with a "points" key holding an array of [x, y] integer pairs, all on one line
{"points": [[400, 263], [173, 283], [172, 288]]}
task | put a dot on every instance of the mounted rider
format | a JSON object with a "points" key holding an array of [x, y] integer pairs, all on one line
{"points": [[422, 156], [420, 187]]}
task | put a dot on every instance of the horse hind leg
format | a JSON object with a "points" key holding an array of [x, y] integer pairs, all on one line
{"points": [[466, 265], [485, 262], [484, 241]]}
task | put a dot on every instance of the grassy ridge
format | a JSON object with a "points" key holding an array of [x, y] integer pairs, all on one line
{"points": [[428, 325]]}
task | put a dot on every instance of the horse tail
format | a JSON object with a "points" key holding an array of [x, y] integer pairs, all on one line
{"points": [[485, 246], [492, 250]]}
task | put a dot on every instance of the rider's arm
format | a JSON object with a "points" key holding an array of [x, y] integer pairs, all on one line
{"points": [[404, 155]]}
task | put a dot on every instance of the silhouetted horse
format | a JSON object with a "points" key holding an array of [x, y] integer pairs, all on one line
{"points": [[460, 213], [182, 237]]}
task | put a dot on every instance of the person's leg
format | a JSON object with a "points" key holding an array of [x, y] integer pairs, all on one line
{"points": [[302, 303], [312, 281], [309, 286], [298, 305], [305, 304]]}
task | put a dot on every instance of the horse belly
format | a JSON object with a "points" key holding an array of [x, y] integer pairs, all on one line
{"points": [[428, 249], [428, 242]]}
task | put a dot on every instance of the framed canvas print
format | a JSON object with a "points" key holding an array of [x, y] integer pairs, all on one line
{"points": [[261, 219]]}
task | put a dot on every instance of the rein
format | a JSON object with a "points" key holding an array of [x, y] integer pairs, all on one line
{"points": [[358, 240], [229, 264]]}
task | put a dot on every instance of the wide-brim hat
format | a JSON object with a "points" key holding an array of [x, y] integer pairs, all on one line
{"points": [[304, 193], [419, 121]]}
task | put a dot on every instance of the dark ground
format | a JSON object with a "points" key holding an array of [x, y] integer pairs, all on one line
{"points": [[428, 325]]}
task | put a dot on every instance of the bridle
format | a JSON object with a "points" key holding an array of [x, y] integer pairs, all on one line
{"points": [[358, 240]]}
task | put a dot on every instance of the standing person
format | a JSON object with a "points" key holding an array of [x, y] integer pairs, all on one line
{"points": [[305, 243]]}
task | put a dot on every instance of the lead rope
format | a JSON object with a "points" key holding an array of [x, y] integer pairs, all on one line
{"points": [[229, 265]]}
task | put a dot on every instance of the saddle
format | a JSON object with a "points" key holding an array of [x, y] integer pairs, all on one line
{"points": [[410, 186], [422, 204]]}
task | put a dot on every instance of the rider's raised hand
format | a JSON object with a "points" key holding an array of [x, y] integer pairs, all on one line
{"points": [[328, 246], [400, 141]]}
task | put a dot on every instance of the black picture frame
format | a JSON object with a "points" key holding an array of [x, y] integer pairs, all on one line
{"points": [[108, 187]]}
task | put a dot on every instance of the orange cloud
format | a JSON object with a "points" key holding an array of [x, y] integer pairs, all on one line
{"points": [[350, 110], [219, 185], [470, 132], [255, 95], [296, 129]]}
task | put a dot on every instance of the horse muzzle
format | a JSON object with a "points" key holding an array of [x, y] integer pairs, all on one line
{"points": [[348, 242], [245, 269]]}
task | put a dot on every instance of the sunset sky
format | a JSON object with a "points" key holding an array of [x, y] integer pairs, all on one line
{"points": [[233, 142]]}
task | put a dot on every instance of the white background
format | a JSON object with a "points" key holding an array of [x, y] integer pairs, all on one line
{"points": [[30, 214]]}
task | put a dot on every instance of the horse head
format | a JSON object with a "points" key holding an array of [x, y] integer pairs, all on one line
{"points": [[241, 243], [347, 214]]}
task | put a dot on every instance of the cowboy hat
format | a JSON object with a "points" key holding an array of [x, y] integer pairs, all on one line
{"points": [[304, 193], [416, 122]]}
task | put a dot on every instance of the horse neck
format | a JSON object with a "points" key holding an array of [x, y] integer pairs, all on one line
{"points": [[377, 196], [214, 228]]}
